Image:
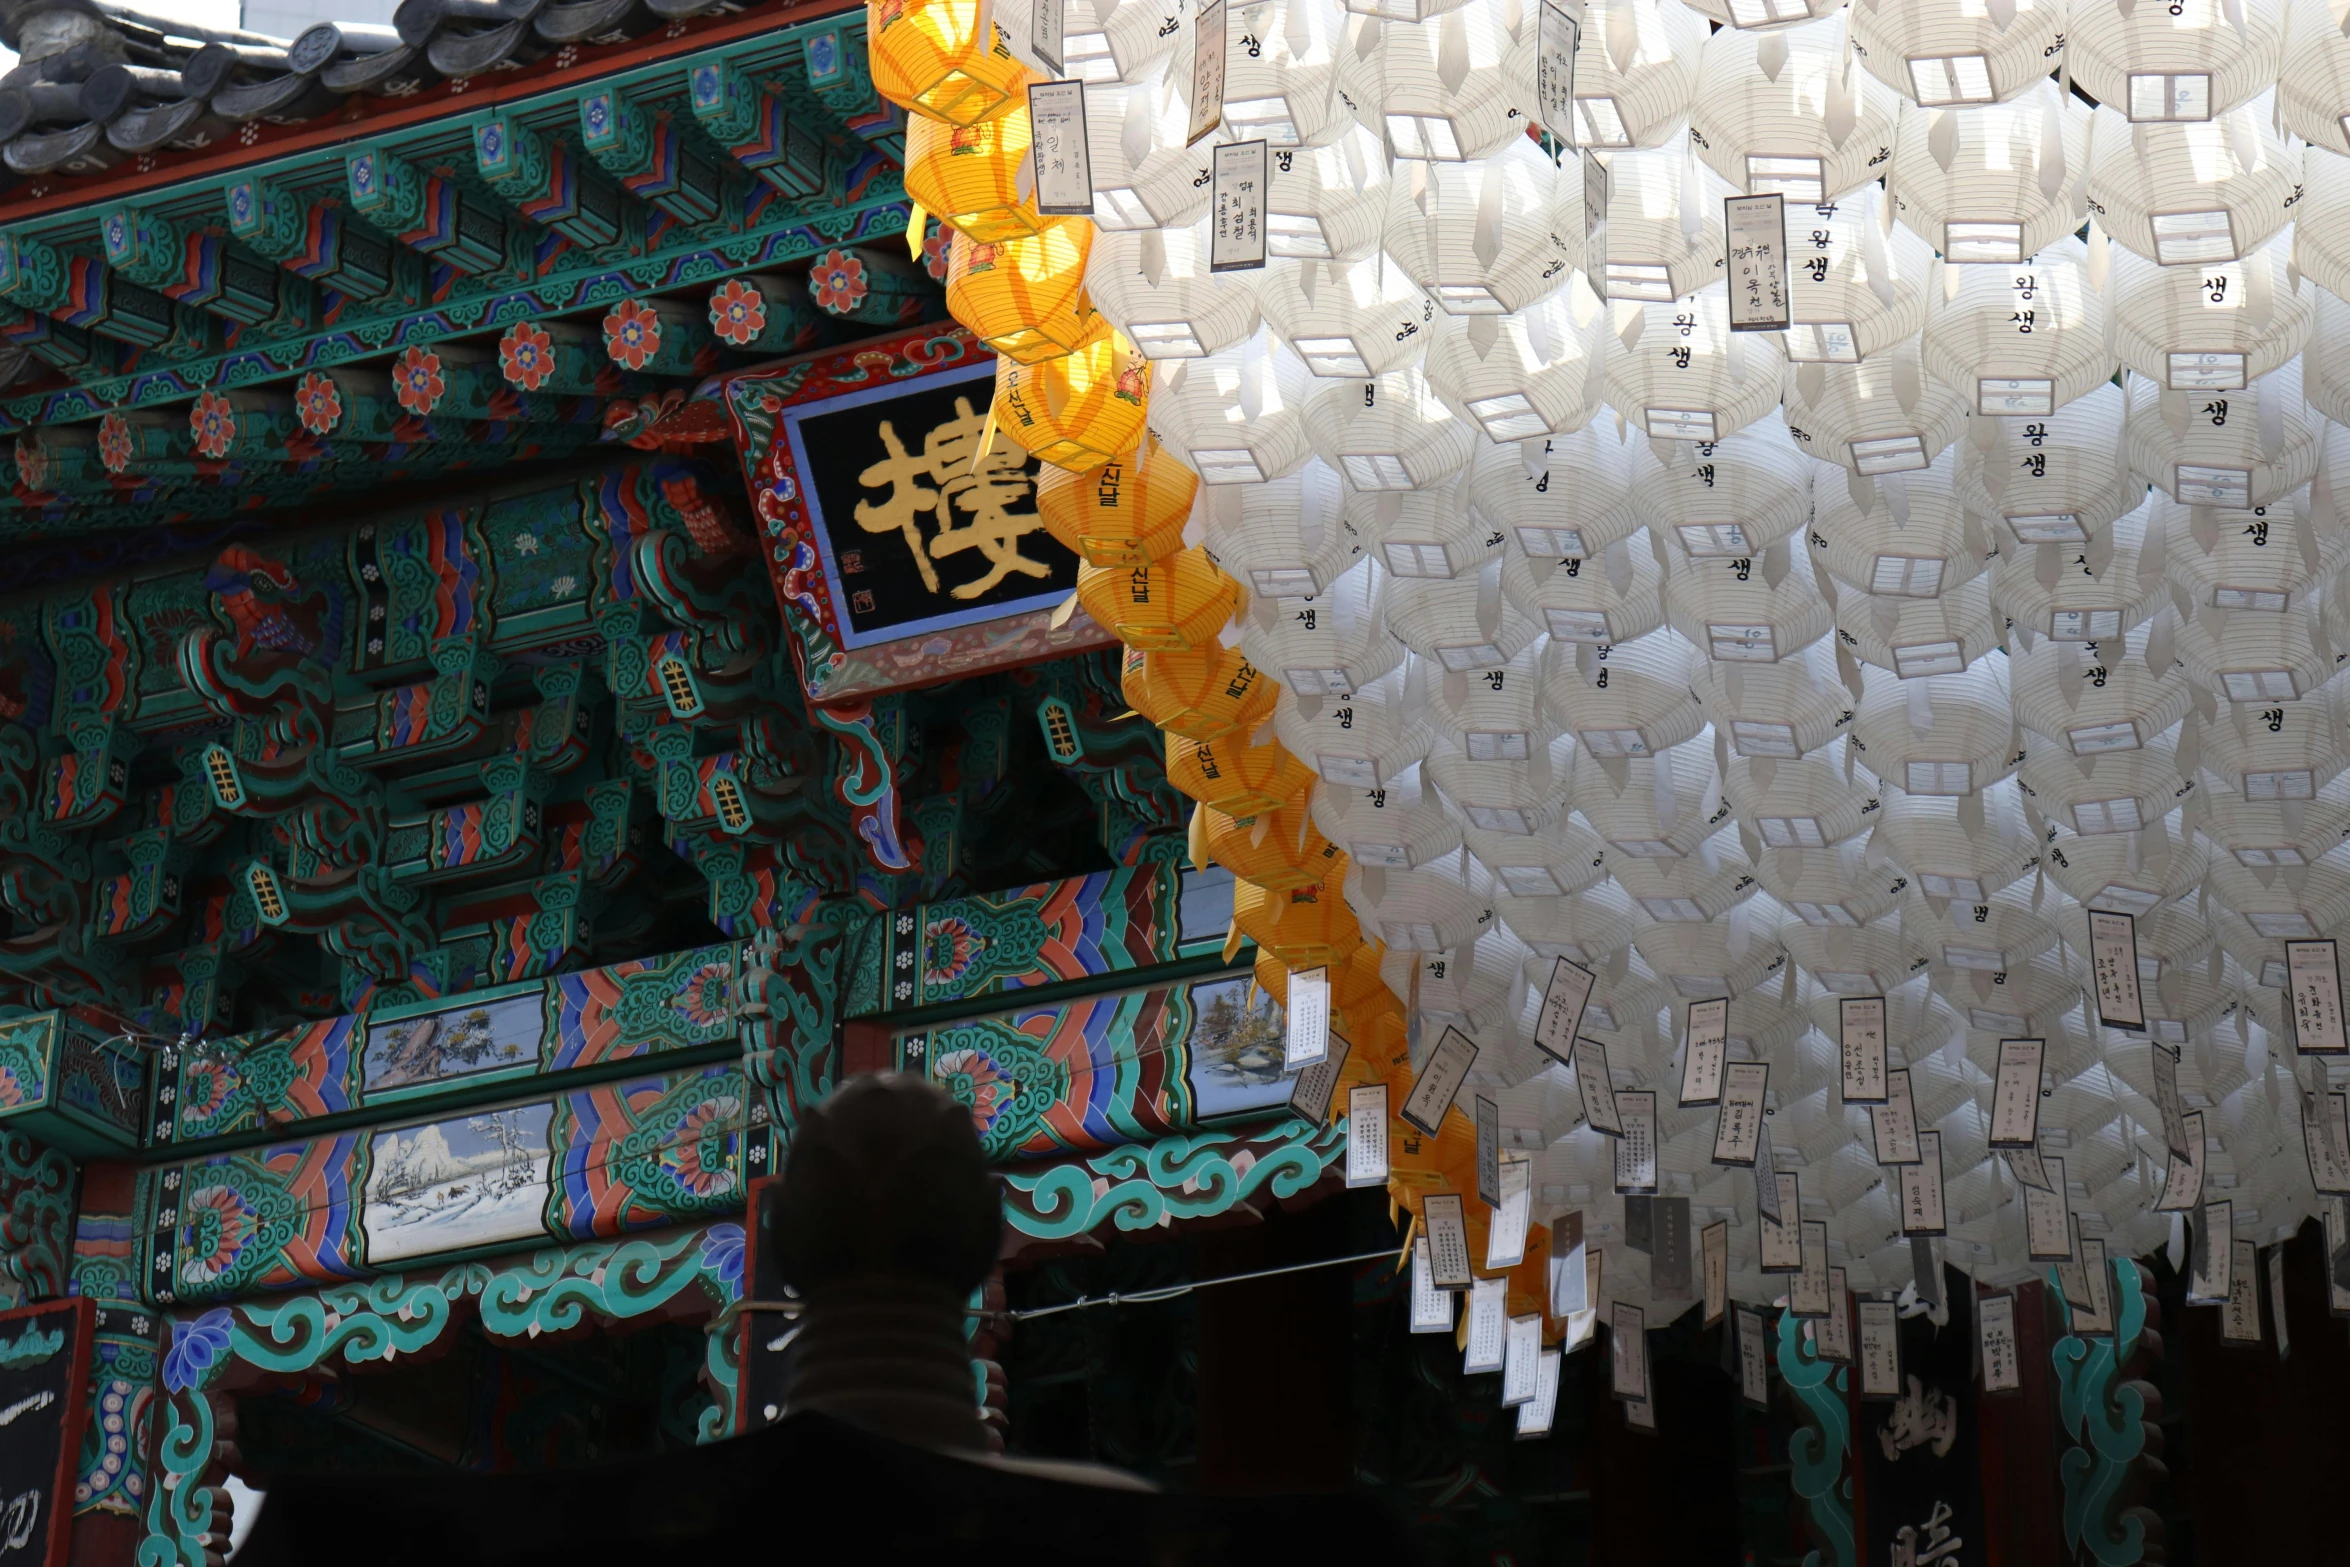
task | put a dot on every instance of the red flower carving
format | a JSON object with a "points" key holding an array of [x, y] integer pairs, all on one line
{"points": [[213, 424], [632, 334], [416, 380], [737, 313], [319, 402], [114, 443], [527, 355], [838, 282]]}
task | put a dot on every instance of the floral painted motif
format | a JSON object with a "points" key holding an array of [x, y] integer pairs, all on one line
{"points": [[195, 1348], [1133, 383], [697, 1156], [975, 1078], [32, 462], [951, 946], [934, 251], [722, 1256], [205, 1086], [632, 334], [215, 1233], [526, 355], [213, 425], [12, 1091], [737, 313], [417, 381], [838, 282], [114, 443], [319, 402], [704, 998]]}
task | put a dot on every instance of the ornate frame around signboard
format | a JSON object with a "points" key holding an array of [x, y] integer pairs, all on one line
{"points": [[798, 558]]}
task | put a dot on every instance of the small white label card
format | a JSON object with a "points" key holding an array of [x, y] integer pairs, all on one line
{"points": [[1809, 1297], [1754, 1376], [1636, 1149], [1521, 1359], [2113, 959], [2329, 1161], [2015, 1097], [1598, 1088], [2337, 1253], [2276, 1302], [1557, 31], [1448, 1240], [2072, 1276], [1669, 1262], [2182, 1183], [2167, 1100], [1236, 241], [1640, 1415], [1312, 1090], [1535, 1415], [1755, 229], [1207, 70], [1560, 1021], [1627, 1332], [2097, 1276], [2214, 1253], [1744, 1083], [1432, 1308], [1921, 1189], [1439, 1082], [1489, 1306], [1047, 27], [1766, 1180], [1832, 1335], [1366, 1135], [2028, 1167], [2239, 1321], [2048, 1234], [1880, 1349], [1894, 1124], [1569, 1275], [1064, 159], [1715, 1244], [1488, 1120], [1782, 1239], [1305, 1036], [1703, 1055], [1505, 1237], [1861, 1024], [2313, 973], [2002, 1363]]}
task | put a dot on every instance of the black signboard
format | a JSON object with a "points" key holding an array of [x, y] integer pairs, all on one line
{"points": [[1923, 1488], [44, 1372]]}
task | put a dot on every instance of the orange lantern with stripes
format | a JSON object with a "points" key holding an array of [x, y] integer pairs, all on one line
{"points": [[1234, 776], [1278, 848], [1201, 692], [942, 59], [969, 177], [1125, 512], [1179, 602], [1024, 297], [1303, 927], [1080, 410]]}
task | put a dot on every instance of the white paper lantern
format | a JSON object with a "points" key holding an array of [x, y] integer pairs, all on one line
{"points": [[1725, 958], [1906, 535], [2165, 66], [1584, 928], [1830, 890], [1805, 804], [1455, 86], [1943, 735], [2112, 792], [2024, 340], [1391, 432], [1439, 905], [1650, 807], [1950, 54], [2091, 698], [1462, 625], [2321, 227], [1747, 610], [2210, 328], [1664, 226], [1422, 533], [1495, 714], [1635, 72], [1399, 825], [1348, 320], [1235, 416], [1327, 203], [1100, 44], [1883, 416], [2133, 873], [2270, 559], [2232, 449], [1696, 887], [1488, 237], [2288, 752], [1536, 374], [1283, 539], [1787, 709], [1959, 848], [2096, 592], [1330, 645], [2056, 479], [1364, 739], [1807, 130], [1612, 597], [1559, 497], [1291, 70], [1994, 185], [1679, 373], [1144, 177], [1562, 860], [1739, 498], [2259, 657], [1915, 637], [2192, 194], [1502, 794], [1629, 700], [1156, 286]]}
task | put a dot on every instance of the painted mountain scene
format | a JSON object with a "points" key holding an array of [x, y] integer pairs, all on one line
{"points": [[471, 1180]]}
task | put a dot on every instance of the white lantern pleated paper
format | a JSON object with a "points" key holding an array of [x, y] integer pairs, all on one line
{"points": [[1835, 889], [1488, 237], [1473, 987], [2092, 593], [1804, 804], [1746, 494], [2271, 834], [1629, 700], [1584, 928], [1430, 908], [1787, 709], [1792, 114], [1949, 53], [2095, 697], [1959, 848], [2182, 61], [1348, 320], [1728, 957], [2132, 873], [1997, 935], [2188, 1007], [2193, 194], [2269, 559], [2032, 1001], [2210, 328], [1462, 625], [1422, 533], [1679, 373], [1840, 958], [2169, 941], [1914, 637], [1664, 226], [2260, 963], [1493, 714], [1284, 539], [2256, 657], [2289, 752], [2023, 340], [2115, 791], [1763, 15], [1562, 497], [1948, 734], [1363, 739], [1144, 177], [1635, 72], [1291, 74], [1749, 609], [1854, 289], [1530, 376], [1397, 825], [1995, 185], [1330, 646], [1327, 203], [1698, 887], [1650, 807], [2236, 449], [1612, 597], [2321, 227], [2054, 479], [1562, 860], [1156, 286], [1882, 416], [1906, 535], [1391, 432], [1454, 87], [1235, 416], [1502, 794], [1101, 43]]}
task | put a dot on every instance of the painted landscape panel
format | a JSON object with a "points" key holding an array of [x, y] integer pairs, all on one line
{"points": [[478, 1179], [455, 1041]]}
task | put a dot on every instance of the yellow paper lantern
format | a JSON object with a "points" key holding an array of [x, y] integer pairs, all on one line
{"points": [[1123, 513], [942, 59], [1234, 776], [1080, 410], [1279, 848], [1303, 927], [1201, 692], [968, 176], [1180, 602], [1024, 297]]}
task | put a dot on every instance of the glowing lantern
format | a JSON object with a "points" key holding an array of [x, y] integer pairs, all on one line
{"points": [[1304, 927], [1176, 603], [942, 60], [970, 177], [1200, 692], [1124, 513], [1278, 849], [1233, 775], [1080, 410], [1024, 297]]}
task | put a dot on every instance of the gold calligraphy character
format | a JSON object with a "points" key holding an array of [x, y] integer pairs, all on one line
{"points": [[986, 490]]}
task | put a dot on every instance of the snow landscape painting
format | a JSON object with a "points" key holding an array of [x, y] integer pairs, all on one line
{"points": [[471, 1180]]}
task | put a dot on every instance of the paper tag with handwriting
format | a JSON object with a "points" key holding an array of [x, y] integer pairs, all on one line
{"points": [[1809, 1297], [1754, 1378], [1880, 1350], [2015, 1097], [1627, 1331], [1312, 1090], [1766, 1181], [1640, 1415], [2048, 1234], [1536, 1414], [2215, 1239], [1715, 1243], [1744, 1083], [1237, 237], [1063, 157], [1832, 1335], [1636, 1149], [2313, 974], [2182, 1183], [1047, 29], [1702, 1057], [2336, 1257], [2002, 1361], [2276, 1302], [1207, 71], [1569, 1275], [1894, 1124], [1448, 1240], [2329, 1167], [2113, 960], [2167, 1100], [1432, 1308], [1598, 1088], [2239, 1321], [1557, 30], [2097, 1274], [1440, 1080], [2072, 1275], [1505, 1236], [1366, 1135], [1560, 1021], [1489, 1305], [1669, 1262], [1861, 1023], [1755, 233], [1521, 1359], [1782, 1241], [1921, 1189], [1488, 1119], [1306, 1028], [2028, 1166]]}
